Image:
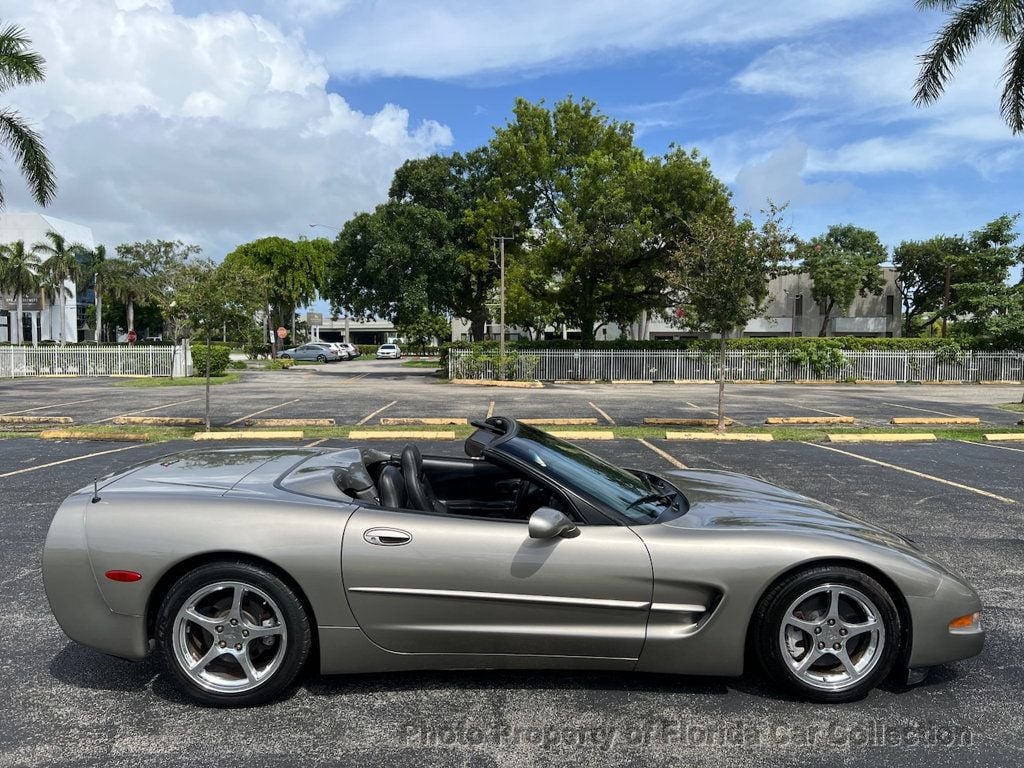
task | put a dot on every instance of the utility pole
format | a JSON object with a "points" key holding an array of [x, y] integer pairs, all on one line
{"points": [[501, 266], [945, 297]]}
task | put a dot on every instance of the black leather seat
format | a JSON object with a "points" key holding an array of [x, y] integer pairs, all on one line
{"points": [[392, 487], [417, 484]]}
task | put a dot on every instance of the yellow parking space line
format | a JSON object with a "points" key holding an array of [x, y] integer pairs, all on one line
{"points": [[756, 437], [149, 410], [882, 437], [264, 410], [68, 461], [915, 473], [905, 420], [490, 410], [569, 422], [55, 405], [423, 421], [379, 410], [405, 434], [664, 454], [580, 434], [248, 434], [604, 415]]}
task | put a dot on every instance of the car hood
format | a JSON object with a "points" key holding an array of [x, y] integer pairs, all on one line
{"points": [[216, 471], [730, 500]]}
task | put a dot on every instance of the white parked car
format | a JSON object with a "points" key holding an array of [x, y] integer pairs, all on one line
{"points": [[389, 351], [353, 350]]}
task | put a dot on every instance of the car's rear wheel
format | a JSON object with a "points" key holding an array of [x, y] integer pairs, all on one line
{"points": [[233, 634], [283, 356], [321, 358], [830, 634]]}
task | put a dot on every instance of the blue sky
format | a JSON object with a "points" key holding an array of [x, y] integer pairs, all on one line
{"points": [[221, 121]]}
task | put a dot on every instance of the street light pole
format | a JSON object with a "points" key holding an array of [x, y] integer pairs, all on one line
{"points": [[501, 267]]}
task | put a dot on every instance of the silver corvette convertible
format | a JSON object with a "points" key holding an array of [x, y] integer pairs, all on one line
{"points": [[240, 565]]}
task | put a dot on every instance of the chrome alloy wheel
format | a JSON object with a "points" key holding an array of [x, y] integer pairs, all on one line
{"points": [[229, 637], [831, 636]]}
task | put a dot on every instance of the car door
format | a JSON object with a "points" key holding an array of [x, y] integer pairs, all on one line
{"points": [[427, 583]]}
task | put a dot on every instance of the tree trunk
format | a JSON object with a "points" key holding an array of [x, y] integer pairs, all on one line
{"points": [[824, 322], [131, 314], [209, 348], [721, 383], [42, 310], [18, 328], [63, 313], [588, 321], [478, 322], [98, 336]]}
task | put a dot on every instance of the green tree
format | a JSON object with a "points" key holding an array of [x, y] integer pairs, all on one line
{"points": [[971, 21], [422, 330], [144, 272], [19, 65], [921, 267], [842, 263], [60, 263], [601, 216], [291, 273], [721, 275], [19, 275], [95, 270], [204, 298]]}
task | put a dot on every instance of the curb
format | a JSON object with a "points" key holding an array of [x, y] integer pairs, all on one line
{"points": [[671, 422], [1005, 436], [397, 421], [490, 383], [559, 422], [935, 420], [36, 420], [80, 434], [758, 437], [810, 420], [631, 381], [160, 421], [580, 434], [881, 437], [376, 434], [289, 422], [240, 434]]}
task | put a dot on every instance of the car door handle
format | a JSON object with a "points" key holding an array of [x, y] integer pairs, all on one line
{"points": [[387, 537]]}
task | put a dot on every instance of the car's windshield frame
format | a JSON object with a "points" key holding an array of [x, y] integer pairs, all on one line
{"points": [[618, 490]]}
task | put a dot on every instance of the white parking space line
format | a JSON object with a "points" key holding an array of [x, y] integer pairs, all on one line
{"points": [[664, 454], [794, 405], [265, 410], [55, 405], [315, 443], [148, 410], [990, 445], [379, 410], [357, 377], [66, 461], [604, 415], [922, 410], [714, 413], [915, 473], [490, 410]]}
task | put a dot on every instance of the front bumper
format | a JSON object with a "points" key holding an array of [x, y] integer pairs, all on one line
{"points": [[933, 641]]}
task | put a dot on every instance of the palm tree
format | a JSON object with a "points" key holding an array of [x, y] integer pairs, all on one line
{"points": [[49, 286], [127, 285], [61, 264], [21, 66], [19, 275], [95, 271], [971, 21]]}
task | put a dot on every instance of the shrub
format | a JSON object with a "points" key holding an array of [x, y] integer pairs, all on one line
{"points": [[819, 357], [220, 356], [279, 364], [238, 365]]}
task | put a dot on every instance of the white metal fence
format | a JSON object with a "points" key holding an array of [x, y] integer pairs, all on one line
{"points": [[91, 360], [741, 365]]}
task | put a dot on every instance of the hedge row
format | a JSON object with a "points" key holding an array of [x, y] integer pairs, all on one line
{"points": [[220, 356]]}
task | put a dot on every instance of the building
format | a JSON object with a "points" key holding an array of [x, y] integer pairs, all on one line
{"points": [[39, 323], [790, 311], [355, 330]]}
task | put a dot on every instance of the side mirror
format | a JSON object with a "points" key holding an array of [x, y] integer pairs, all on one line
{"points": [[547, 523]]}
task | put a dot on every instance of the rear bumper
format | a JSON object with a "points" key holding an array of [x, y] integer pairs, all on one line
{"points": [[933, 641], [74, 596]]}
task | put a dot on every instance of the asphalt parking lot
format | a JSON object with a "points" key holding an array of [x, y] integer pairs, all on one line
{"points": [[364, 391], [963, 502]]}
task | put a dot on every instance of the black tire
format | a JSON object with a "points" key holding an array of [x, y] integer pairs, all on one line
{"points": [[321, 358], [293, 617], [283, 356], [773, 608]]}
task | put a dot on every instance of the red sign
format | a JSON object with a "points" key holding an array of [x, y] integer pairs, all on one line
{"points": [[282, 332], [132, 336]]}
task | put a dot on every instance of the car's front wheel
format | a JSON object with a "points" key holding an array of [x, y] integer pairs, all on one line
{"points": [[233, 634], [830, 634], [321, 358]]}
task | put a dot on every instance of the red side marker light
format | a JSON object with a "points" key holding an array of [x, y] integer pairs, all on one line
{"points": [[123, 575]]}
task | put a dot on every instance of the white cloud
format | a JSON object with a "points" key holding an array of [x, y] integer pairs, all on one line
{"points": [[216, 128], [460, 38], [780, 177]]}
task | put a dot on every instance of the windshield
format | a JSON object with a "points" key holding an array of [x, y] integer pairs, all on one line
{"points": [[636, 498]]}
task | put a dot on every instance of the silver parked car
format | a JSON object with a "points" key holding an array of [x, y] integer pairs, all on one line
{"points": [[319, 352], [528, 553], [389, 351]]}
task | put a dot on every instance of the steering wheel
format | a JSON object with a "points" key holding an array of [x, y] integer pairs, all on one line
{"points": [[421, 494]]}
